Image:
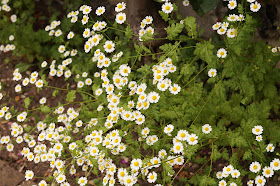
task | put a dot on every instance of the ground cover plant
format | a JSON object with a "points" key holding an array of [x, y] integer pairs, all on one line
{"points": [[133, 114]]}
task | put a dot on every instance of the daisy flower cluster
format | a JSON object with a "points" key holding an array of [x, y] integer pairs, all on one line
{"points": [[145, 27], [7, 48], [258, 130], [121, 16], [226, 173], [160, 71], [254, 5], [267, 172], [51, 29], [5, 140], [96, 143], [4, 6], [275, 49], [228, 27], [4, 111], [33, 79], [179, 142]]}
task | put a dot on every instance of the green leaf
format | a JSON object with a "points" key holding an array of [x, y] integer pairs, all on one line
{"points": [[23, 66], [54, 94], [204, 50], [163, 15], [174, 30], [71, 96], [147, 36], [27, 102], [205, 180], [203, 6], [50, 178], [247, 155], [27, 129], [45, 109], [190, 23], [128, 32]]}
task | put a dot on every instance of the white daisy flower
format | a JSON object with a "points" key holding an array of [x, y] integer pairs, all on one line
{"points": [[235, 173], [82, 181], [153, 97], [120, 7], [275, 164], [192, 139], [222, 183], [29, 174], [167, 7], [206, 129], [178, 148], [152, 177], [250, 182], [87, 10], [175, 89], [18, 88], [219, 175], [228, 169], [260, 181], [259, 138], [186, 2], [232, 4], [120, 18], [255, 167], [216, 26], [231, 33], [109, 46], [274, 50], [100, 10], [221, 53], [43, 100], [257, 130], [255, 7], [270, 148], [267, 172], [39, 83], [212, 72]]}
